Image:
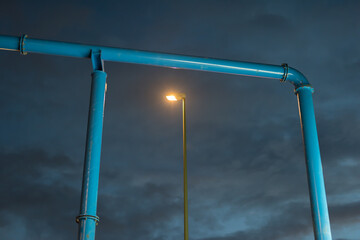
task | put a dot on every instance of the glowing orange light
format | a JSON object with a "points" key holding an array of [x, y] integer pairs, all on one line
{"points": [[171, 98]]}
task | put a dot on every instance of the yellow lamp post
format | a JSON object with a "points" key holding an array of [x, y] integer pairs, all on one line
{"points": [[177, 97]]}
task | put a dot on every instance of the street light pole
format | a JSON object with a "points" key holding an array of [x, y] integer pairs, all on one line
{"points": [[177, 97], [186, 224]]}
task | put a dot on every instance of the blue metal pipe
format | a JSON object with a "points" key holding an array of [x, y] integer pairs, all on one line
{"points": [[313, 164], [87, 219], [283, 73], [26, 45]]}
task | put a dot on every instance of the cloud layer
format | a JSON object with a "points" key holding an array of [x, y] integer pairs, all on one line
{"points": [[246, 169]]}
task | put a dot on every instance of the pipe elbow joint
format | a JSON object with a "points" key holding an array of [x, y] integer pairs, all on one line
{"points": [[296, 78]]}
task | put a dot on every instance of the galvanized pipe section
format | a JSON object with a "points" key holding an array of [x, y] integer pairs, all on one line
{"points": [[318, 201], [87, 219]]}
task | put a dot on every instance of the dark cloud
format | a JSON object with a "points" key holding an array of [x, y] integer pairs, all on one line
{"points": [[247, 175], [40, 195]]}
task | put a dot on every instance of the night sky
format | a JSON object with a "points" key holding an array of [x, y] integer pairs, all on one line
{"points": [[246, 167]]}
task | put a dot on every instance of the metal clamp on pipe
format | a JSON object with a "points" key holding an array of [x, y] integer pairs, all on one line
{"points": [[286, 70], [96, 218], [22, 44]]}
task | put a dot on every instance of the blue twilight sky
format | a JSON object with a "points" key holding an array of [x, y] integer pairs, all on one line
{"points": [[246, 168]]}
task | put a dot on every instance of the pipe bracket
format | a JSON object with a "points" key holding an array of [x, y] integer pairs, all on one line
{"points": [[97, 61], [286, 70], [22, 44], [84, 216]]}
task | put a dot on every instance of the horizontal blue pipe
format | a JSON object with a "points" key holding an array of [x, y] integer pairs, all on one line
{"points": [[156, 59]]}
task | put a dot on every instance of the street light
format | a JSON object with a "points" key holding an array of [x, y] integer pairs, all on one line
{"points": [[177, 97]]}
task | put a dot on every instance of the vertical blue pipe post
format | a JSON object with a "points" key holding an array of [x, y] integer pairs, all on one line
{"points": [[87, 219], [318, 201]]}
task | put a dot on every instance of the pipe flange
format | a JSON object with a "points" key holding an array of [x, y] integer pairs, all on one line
{"points": [[22, 44], [84, 216], [286, 70]]}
